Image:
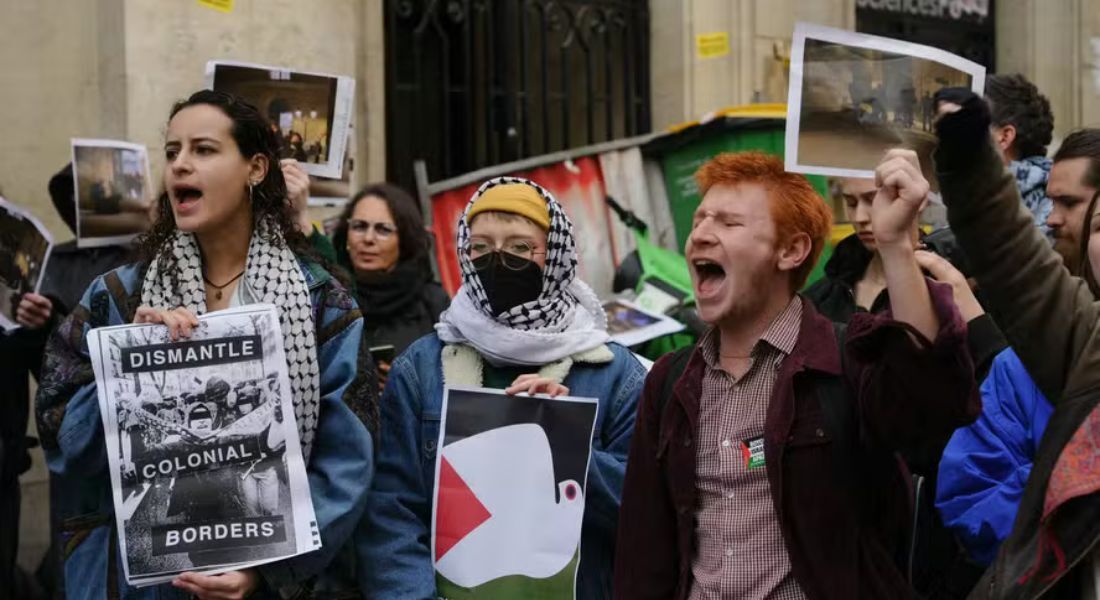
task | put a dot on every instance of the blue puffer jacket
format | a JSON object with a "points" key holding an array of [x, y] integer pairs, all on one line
{"points": [[396, 561], [67, 408], [985, 466]]}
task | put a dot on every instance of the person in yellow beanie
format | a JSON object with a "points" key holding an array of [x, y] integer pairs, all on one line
{"points": [[512, 198], [521, 322]]}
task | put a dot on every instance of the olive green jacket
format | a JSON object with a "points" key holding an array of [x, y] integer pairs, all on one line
{"points": [[1052, 321]]}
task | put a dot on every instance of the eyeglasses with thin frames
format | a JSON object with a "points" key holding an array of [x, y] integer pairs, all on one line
{"points": [[359, 228], [514, 254]]}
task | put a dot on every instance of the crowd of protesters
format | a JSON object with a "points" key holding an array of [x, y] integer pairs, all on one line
{"points": [[910, 425]]}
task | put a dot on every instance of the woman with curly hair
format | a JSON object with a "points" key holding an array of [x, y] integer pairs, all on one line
{"points": [[224, 237]]}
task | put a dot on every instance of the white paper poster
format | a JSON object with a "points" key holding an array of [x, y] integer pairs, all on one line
{"points": [[25, 246], [112, 189], [206, 467], [854, 96], [510, 488], [312, 110], [630, 324]]}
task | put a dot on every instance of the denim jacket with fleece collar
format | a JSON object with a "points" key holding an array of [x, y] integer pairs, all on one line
{"points": [[396, 561], [339, 470]]}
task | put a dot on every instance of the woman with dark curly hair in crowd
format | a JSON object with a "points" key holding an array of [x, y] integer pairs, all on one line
{"points": [[224, 237]]}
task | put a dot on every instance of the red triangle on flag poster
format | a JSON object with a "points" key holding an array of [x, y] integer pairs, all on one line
{"points": [[458, 511]]}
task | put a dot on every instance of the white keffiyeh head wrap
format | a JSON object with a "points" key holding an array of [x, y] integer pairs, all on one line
{"points": [[565, 319]]}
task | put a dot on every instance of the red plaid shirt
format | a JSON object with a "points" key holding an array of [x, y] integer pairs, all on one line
{"points": [[740, 548]]}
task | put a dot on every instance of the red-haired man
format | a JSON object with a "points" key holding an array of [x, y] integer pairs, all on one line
{"points": [[768, 469]]}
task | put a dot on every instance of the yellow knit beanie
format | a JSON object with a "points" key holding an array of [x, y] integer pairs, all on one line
{"points": [[516, 198]]}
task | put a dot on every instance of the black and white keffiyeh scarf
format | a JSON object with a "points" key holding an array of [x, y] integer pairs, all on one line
{"points": [[175, 279], [565, 319]]}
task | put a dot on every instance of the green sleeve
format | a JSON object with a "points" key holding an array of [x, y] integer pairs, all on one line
{"points": [[322, 245]]}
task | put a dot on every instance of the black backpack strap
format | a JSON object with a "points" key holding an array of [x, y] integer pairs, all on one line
{"points": [[839, 410], [837, 403]]}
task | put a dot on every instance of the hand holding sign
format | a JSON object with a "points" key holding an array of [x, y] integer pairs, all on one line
{"points": [[902, 193], [180, 321], [532, 384], [34, 311], [233, 585], [297, 193]]}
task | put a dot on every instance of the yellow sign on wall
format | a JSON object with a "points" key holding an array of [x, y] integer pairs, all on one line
{"points": [[712, 45], [226, 6]]}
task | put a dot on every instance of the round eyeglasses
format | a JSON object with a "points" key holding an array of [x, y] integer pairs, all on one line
{"points": [[514, 254]]}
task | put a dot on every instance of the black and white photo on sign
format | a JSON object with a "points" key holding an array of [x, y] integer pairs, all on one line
{"points": [[112, 192], [854, 96], [206, 466], [24, 249], [630, 324], [311, 112]]}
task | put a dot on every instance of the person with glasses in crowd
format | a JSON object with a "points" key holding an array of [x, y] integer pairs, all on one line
{"points": [[381, 240], [521, 321]]}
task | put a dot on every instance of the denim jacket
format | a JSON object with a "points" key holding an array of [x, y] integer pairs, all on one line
{"points": [[339, 470], [396, 560]]}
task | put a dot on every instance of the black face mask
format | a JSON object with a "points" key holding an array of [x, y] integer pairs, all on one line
{"points": [[506, 287]]}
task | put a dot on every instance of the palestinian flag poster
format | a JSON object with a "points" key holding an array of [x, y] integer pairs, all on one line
{"points": [[510, 481]]}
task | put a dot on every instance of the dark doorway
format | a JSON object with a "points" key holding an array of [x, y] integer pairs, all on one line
{"points": [[949, 26], [474, 83]]}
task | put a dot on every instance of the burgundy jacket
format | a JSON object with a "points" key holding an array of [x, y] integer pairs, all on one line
{"points": [[845, 540]]}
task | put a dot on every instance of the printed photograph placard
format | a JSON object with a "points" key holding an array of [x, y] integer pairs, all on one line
{"points": [[311, 111], [510, 483], [326, 192], [113, 198], [206, 467], [854, 96], [25, 246], [630, 324]]}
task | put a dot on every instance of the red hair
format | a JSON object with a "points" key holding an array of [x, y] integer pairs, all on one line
{"points": [[795, 206]]}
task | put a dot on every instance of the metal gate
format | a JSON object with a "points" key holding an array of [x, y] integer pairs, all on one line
{"points": [[474, 83]]}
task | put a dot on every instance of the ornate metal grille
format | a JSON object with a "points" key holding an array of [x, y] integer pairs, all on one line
{"points": [[473, 83]]}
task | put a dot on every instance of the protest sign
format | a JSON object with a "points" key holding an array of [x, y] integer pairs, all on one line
{"points": [[630, 324], [112, 190], [327, 192], [854, 96], [510, 484], [312, 111], [206, 468], [25, 246]]}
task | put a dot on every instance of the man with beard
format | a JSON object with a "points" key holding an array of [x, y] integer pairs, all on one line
{"points": [[763, 461], [1074, 180]]}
